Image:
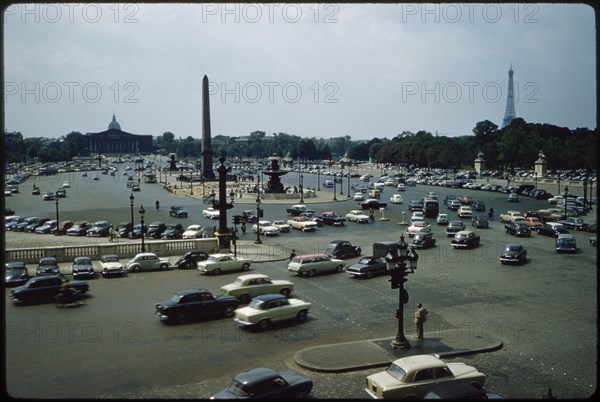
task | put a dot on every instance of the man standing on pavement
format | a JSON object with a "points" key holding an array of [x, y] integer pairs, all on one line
{"points": [[420, 318]]}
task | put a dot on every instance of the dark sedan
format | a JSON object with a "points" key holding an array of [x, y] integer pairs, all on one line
{"points": [[518, 229], [15, 273], [45, 288], [189, 259], [82, 268], [265, 383], [513, 253], [99, 229], [551, 230], [454, 227], [136, 233], [47, 266], [372, 203], [194, 303], [480, 221], [423, 240], [34, 224], [173, 231], [367, 267], [415, 205], [79, 228]]}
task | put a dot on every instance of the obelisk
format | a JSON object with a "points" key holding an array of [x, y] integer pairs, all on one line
{"points": [[207, 152]]}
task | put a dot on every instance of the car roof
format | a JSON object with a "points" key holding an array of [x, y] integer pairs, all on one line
{"points": [[312, 255], [253, 276], [256, 375], [416, 362], [465, 232], [270, 297]]}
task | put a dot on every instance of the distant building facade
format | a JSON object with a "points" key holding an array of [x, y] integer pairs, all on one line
{"points": [[116, 141]]}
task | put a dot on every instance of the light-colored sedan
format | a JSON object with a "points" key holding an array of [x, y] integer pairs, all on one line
{"points": [[312, 264], [266, 309], [359, 197], [396, 199], [418, 227], [147, 262], [357, 216], [211, 213], [266, 228], [193, 232], [223, 262], [111, 265], [442, 219], [413, 376], [245, 287], [282, 225]]}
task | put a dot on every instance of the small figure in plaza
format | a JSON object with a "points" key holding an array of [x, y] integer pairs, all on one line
{"points": [[372, 216], [420, 318], [157, 203], [244, 226], [491, 213], [292, 254]]}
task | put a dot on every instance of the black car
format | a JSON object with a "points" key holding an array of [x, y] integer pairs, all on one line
{"points": [[156, 229], [423, 240], [44, 288], [47, 266], [35, 224], [79, 228], [124, 229], [342, 249], [415, 205], [15, 273], [372, 203], [249, 216], [453, 227], [136, 233], [82, 268], [8, 211], [480, 221], [178, 212], [478, 206], [189, 259], [518, 229], [99, 229], [20, 227], [194, 303], [61, 193], [513, 253], [367, 267], [173, 231], [551, 230], [565, 243], [265, 383]]}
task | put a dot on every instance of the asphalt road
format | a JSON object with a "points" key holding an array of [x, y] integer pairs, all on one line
{"points": [[114, 346]]}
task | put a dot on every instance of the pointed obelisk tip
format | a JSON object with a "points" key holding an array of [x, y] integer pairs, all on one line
{"points": [[205, 78]]}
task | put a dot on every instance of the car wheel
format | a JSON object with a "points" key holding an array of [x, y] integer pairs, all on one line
{"points": [[301, 316], [245, 267], [339, 268], [164, 267], [216, 271], [245, 298], [264, 324], [286, 292], [302, 395], [229, 311], [136, 268], [369, 274], [189, 265], [311, 272], [181, 318]]}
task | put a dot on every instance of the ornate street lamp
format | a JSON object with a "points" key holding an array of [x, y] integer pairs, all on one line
{"points": [[565, 200], [348, 196], [57, 233], [301, 188], [258, 241], [131, 198], [585, 184], [397, 259], [319, 178], [341, 179], [142, 211]]}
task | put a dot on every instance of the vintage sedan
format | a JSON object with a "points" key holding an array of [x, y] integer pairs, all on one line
{"points": [[551, 229], [396, 199], [565, 243], [312, 264], [453, 227], [442, 219], [100, 228], [189, 259], [357, 216], [574, 223], [193, 232], [513, 253], [47, 266], [172, 231], [245, 287], [465, 212], [265, 383], [372, 203], [423, 240], [110, 265], [46, 228], [282, 226], [465, 239], [43, 288], [265, 227], [518, 229], [480, 221], [359, 197], [414, 376], [178, 212], [195, 303], [223, 262], [270, 308], [147, 262], [418, 227], [82, 267], [15, 273], [532, 222], [368, 267], [211, 213], [341, 249]]}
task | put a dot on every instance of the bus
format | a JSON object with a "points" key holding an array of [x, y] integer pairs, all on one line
{"points": [[431, 207]]}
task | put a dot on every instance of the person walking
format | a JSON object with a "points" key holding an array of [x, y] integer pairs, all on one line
{"points": [[292, 254], [421, 314]]}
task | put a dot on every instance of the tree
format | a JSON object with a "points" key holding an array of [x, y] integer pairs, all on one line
{"points": [[306, 149]]}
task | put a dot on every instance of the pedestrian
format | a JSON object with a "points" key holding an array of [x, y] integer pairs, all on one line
{"points": [[420, 318], [292, 254], [372, 216], [157, 203], [111, 234]]}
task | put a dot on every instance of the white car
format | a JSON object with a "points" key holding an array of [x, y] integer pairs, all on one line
{"points": [[211, 213], [465, 212], [282, 225], [223, 262], [110, 265], [265, 227], [66, 184], [396, 199], [359, 197], [418, 227], [193, 232], [357, 216], [417, 216], [266, 309], [442, 219]]}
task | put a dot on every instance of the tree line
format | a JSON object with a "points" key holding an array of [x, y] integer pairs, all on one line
{"points": [[515, 146]]}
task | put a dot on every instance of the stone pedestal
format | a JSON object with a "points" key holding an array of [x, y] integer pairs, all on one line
{"points": [[541, 167], [479, 165]]}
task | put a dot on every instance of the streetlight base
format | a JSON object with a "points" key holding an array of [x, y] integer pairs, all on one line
{"points": [[258, 242], [400, 342]]}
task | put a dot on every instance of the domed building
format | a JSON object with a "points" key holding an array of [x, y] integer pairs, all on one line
{"points": [[116, 141]]}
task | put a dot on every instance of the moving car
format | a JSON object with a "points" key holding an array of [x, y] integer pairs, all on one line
{"points": [[82, 267], [341, 249], [110, 265], [513, 253], [43, 288], [265, 227], [465, 212], [454, 227], [532, 222], [551, 229], [15, 273], [178, 212], [372, 203], [194, 303], [270, 308], [333, 219], [396, 199], [414, 376], [518, 229], [211, 213], [281, 225], [303, 223], [245, 287], [367, 267], [442, 219], [215, 264], [415, 205], [480, 221], [565, 243], [357, 216], [465, 239], [189, 259], [423, 240], [265, 383], [513, 197], [359, 197], [147, 262], [312, 264], [575, 223], [418, 227], [297, 209], [47, 266]]}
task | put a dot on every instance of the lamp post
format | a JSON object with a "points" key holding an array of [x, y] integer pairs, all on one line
{"points": [[258, 241], [301, 188], [57, 233], [341, 179], [142, 211], [397, 259], [131, 198], [585, 184], [565, 200], [319, 178], [348, 193]]}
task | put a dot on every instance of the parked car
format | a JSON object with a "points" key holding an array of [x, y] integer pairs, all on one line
{"points": [[357, 216], [82, 267], [11, 222], [156, 229], [216, 264], [414, 376], [110, 265], [15, 273], [454, 227], [100, 228], [341, 249], [178, 212], [62, 227], [312, 264], [465, 239], [271, 308], [418, 227], [532, 222], [245, 287], [367, 267], [47, 266], [442, 219], [147, 262], [194, 231], [551, 229], [34, 224], [574, 223], [513, 253], [518, 229], [423, 240], [79, 228], [136, 232], [195, 303], [124, 229], [265, 383], [480, 221], [46, 228], [43, 288], [565, 243], [459, 390], [173, 231], [190, 258]]}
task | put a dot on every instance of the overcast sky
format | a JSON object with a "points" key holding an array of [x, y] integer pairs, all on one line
{"points": [[312, 70]]}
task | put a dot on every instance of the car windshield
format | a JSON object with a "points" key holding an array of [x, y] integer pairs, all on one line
{"points": [[512, 248], [239, 281], [238, 389], [47, 262], [175, 298], [110, 258], [257, 304], [396, 371]]}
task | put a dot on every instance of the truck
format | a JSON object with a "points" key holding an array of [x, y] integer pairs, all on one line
{"points": [[333, 219], [511, 216], [302, 223]]}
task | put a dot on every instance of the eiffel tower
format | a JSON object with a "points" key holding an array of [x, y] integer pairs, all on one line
{"points": [[509, 114]]}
